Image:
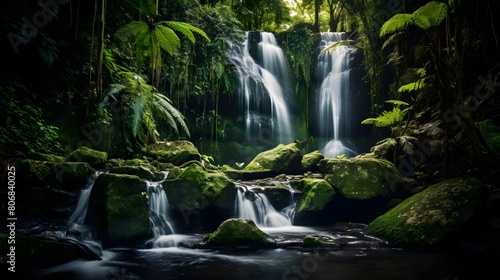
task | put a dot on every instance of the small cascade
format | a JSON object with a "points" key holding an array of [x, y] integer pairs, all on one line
{"points": [[264, 89], [289, 211], [251, 203], [159, 210], [75, 228], [333, 95]]}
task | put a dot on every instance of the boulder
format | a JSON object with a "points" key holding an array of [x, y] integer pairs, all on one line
{"points": [[362, 178], [310, 161], [72, 176], [316, 194], [174, 152], [240, 233], [118, 208], [429, 217], [281, 159], [95, 158]]}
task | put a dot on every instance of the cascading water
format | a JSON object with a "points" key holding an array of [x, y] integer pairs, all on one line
{"points": [[263, 89], [159, 209], [251, 203], [333, 95]]}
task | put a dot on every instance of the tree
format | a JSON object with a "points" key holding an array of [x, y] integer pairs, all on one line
{"points": [[152, 36]]}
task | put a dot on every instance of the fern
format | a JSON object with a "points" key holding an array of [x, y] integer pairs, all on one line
{"points": [[389, 118], [169, 112], [136, 113], [396, 23]]}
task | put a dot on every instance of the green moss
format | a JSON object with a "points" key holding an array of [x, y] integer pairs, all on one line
{"points": [[174, 152], [312, 242], [280, 159], [429, 216], [239, 232], [93, 157], [72, 175], [310, 161], [361, 178], [316, 193]]}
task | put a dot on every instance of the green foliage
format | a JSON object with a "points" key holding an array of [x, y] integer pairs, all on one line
{"points": [[427, 16], [389, 118], [23, 125], [299, 43], [140, 103]]}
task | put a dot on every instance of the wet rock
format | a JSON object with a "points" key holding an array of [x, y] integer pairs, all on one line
{"points": [[316, 194], [95, 158], [281, 159], [310, 161], [239, 233], [429, 217], [174, 152], [119, 210]]}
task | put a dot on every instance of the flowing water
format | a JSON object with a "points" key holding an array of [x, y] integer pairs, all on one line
{"points": [[346, 252], [333, 117], [264, 89]]}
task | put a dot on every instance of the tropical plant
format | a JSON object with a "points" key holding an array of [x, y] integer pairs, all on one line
{"points": [[140, 103], [152, 35], [389, 118]]}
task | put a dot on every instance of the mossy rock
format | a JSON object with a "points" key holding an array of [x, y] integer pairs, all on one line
{"points": [[72, 176], [46, 157], [427, 218], [231, 172], [95, 158], [240, 233], [310, 161], [311, 241], [362, 178], [32, 173], [197, 188], [120, 209], [316, 194], [281, 159], [174, 152], [139, 171], [278, 195]]}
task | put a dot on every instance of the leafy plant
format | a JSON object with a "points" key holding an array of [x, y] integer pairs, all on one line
{"points": [[140, 103], [389, 118]]}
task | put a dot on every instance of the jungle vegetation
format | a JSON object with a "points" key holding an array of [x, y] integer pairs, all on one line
{"points": [[120, 74]]}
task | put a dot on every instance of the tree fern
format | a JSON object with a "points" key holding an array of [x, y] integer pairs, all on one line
{"points": [[389, 118], [173, 117]]}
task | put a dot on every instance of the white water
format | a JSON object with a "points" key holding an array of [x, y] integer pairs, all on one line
{"points": [[159, 209], [263, 89], [257, 207], [333, 95]]}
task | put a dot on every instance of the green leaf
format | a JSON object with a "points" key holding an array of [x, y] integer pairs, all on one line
{"points": [[395, 24]]}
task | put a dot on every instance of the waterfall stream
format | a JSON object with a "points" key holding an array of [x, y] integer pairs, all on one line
{"points": [[252, 203], [263, 89], [333, 95]]}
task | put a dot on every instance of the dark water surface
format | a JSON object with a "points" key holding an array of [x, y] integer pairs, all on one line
{"points": [[347, 254]]}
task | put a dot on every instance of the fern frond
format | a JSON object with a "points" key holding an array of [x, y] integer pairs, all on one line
{"points": [[169, 113], [415, 86], [392, 39], [167, 39], [110, 92], [132, 29], [396, 23], [397, 102], [387, 118], [430, 15], [186, 29], [137, 106]]}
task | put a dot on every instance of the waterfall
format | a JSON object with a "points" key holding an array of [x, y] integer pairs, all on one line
{"points": [[159, 213], [333, 95], [263, 89], [75, 224], [254, 204]]}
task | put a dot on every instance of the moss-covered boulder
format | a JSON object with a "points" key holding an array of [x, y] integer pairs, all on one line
{"points": [[46, 157], [95, 158], [174, 152], [31, 173], [362, 178], [142, 172], [281, 159], [72, 176], [429, 217], [310, 161], [316, 194], [197, 188], [118, 208], [239, 233]]}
